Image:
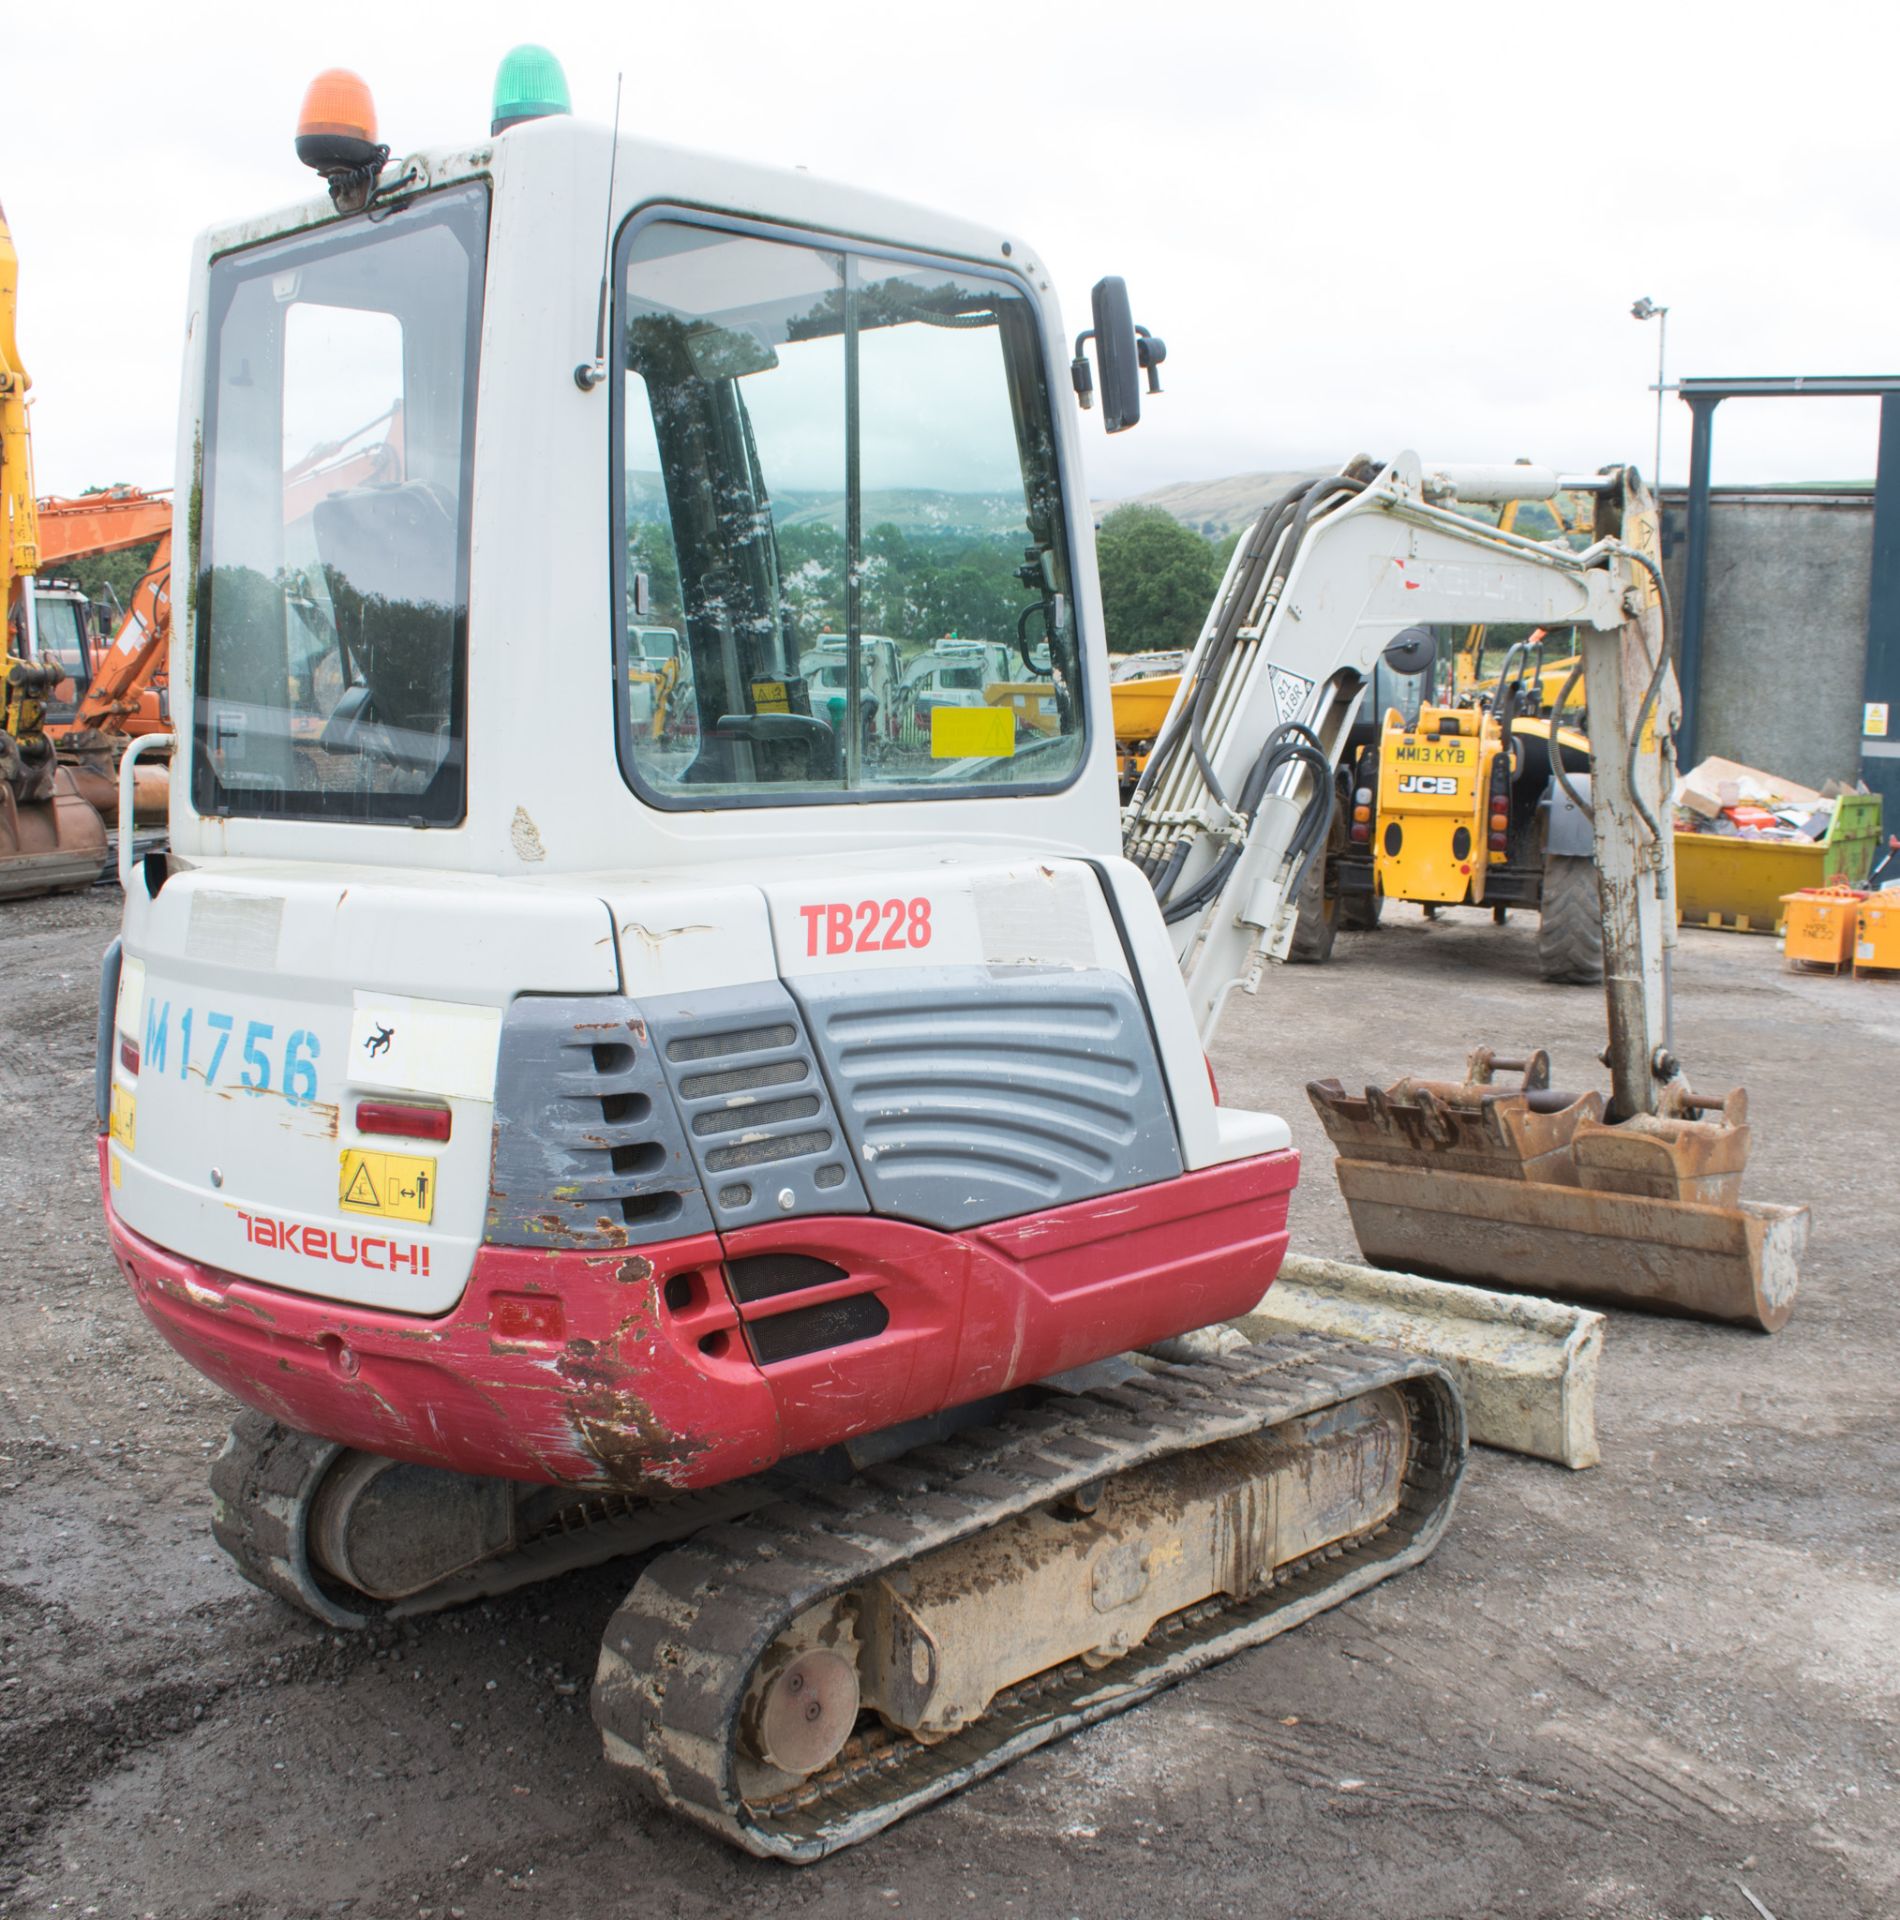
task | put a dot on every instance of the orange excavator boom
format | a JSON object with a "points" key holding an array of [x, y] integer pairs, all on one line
{"points": [[136, 656], [108, 522]]}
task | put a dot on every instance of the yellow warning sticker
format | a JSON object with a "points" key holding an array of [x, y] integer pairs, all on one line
{"points": [[770, 696], [399, 1186], [970, 733], [122, 1123]]}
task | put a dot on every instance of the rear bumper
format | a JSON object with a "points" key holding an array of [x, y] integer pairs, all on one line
{"points": [[640, 1371]]}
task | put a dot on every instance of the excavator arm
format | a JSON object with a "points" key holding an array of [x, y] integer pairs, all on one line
{"points": [[1238, 792], [72, 525], [137, 650], [76, 526], [1633, 1200]]}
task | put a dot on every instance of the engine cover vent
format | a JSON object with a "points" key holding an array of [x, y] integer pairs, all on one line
{"points": [[758, 1116], [589, 1151], [803, 1330], [973, 1094]]}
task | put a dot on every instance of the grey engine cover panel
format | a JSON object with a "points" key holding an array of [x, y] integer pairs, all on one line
{"points": [[758, 1115], [971, 1094], [589, 1151]]}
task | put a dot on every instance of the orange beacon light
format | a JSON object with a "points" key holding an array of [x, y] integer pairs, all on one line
{"points": [[336, 135]]}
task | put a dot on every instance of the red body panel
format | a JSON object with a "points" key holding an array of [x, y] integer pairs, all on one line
{"points": [[633, 1370]]}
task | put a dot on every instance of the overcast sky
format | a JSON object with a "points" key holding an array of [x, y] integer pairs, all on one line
{"points": [[1358, 227]]}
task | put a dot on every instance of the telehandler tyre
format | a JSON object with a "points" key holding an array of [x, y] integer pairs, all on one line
{"points": [[1570, 921], [1321, 903], [1359, 912]]}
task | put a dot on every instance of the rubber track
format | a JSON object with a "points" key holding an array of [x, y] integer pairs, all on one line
{"points": [[262, 1483], [266, 1476], [1570, 921], [681, 1650]]}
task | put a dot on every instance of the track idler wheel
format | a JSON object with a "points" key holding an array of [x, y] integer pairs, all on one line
{"points": [[805, 1713]]}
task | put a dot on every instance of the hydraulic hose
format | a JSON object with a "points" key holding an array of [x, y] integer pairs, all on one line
{"points": [[1289, 745], [1650, 692], [1576, 799], [1313, 497]]}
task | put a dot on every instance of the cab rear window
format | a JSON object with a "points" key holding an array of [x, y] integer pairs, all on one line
{"points": [[333, 552]]}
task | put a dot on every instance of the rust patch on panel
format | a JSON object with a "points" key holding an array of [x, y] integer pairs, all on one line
{"points": [[637, 1450]]}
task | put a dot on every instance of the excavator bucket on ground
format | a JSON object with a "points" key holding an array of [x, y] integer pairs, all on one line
{"points": [[53, 845], [1527, 1188], [95, 778]]}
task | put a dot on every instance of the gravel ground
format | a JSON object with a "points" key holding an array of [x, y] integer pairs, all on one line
{"points": [[1630, 1692]]}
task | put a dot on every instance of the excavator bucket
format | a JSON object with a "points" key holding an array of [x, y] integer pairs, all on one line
{"points": [[1529, 1189], [55, 845], [95, 774]]}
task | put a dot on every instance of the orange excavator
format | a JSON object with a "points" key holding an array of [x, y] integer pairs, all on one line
{"points": [[115, 688], [118, 687], [51, 840]]}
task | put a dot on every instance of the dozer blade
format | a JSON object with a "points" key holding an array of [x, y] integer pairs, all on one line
{"points": [[1526, 1368], [56, 845], [1462, 1182], [799, 1679]]}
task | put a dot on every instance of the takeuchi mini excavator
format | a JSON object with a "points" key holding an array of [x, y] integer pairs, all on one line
{"points": [[721, 1143]]}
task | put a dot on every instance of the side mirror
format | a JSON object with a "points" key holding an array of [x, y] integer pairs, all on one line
{"points": [[1117, 354], [1412, 650]]}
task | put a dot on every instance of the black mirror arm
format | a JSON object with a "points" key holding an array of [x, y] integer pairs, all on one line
{"points": [[1081, 374], [1150, 351]]}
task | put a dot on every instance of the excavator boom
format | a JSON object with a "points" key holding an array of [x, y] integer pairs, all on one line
{"points": [[1637, 1200]]}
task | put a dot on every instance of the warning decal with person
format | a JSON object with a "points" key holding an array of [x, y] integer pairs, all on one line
{"points": [[398, 1186]]}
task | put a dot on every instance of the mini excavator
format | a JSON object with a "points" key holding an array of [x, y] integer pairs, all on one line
{"points": [[797, 1166]]}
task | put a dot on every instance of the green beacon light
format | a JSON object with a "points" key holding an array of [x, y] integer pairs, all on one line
{"points": [[529, 85]]}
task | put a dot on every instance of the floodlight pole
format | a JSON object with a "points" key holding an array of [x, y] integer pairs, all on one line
{"points": [[1647, 309]]}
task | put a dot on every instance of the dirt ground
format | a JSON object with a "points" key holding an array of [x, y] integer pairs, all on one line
{"points": [[1629, 1692]]}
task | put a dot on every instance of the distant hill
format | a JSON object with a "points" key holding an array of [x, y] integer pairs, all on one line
{"points": [[917, 511], [1216, 507], [1211, 507]]}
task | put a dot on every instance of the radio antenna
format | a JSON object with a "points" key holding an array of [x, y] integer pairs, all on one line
{"points": [[589, 374]]}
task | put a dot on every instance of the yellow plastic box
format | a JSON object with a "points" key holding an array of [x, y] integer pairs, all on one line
{"points": [[1821, 926], [1877, 938]]}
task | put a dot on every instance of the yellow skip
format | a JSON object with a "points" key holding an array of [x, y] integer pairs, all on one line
{"points": [[398, 1186]]}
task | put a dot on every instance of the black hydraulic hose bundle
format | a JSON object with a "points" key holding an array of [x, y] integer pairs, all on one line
{"points": [[1289, 745], [1256, 552]]}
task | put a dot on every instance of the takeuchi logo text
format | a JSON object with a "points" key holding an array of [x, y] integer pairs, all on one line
{"points": [[344, 1249]]}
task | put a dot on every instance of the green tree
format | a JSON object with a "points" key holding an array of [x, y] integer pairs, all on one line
{"points": [[1158, 579]]}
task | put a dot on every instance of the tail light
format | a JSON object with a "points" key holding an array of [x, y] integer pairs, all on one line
{"points": [[405, 1119], [129, 1056]]}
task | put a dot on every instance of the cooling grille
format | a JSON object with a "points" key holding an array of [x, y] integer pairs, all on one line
{"points": [[974, 1093], [758, 1117], [589, 1151]]}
